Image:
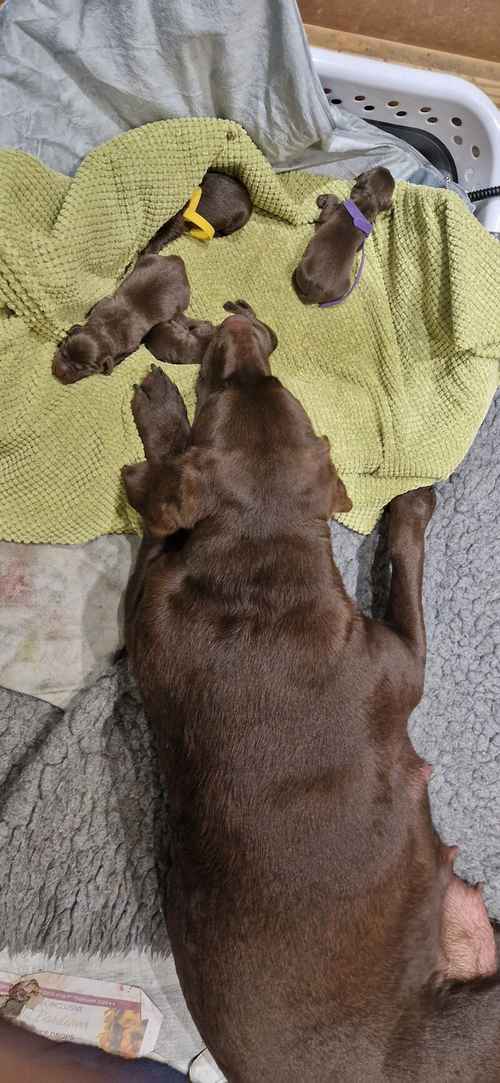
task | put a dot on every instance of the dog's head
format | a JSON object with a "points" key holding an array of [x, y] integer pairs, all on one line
{"points": [[329, 256], [238, 351], [373, 191], [254, 455], [225, 203], [79, 356]]}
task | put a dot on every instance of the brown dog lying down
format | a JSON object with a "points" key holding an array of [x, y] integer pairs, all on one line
{"points": [[155, 291], [318, 930], [325, 270], [225, 203]]}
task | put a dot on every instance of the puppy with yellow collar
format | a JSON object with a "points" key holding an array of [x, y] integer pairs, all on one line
{"points": [[218, 207]]}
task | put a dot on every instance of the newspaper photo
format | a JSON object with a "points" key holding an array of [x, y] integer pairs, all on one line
{"points": [[114, 1017]]}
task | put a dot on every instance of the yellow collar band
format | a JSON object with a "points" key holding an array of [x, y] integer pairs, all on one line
{"points": [[204, 231]]}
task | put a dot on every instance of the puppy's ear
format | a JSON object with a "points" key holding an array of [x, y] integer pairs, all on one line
{"points": [[242, 308], [327, 202], [341, 501], [136, 479], [385, 198]]}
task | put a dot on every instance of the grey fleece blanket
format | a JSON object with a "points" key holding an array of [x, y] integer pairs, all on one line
{"points": [[82, 810]]}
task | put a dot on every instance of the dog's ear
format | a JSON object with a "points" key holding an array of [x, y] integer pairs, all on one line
{"points": [[136, 479], [178, 504], [74, 329], [327, 202], [241, 308], [272, 335], [341, 501], [171, 496]]}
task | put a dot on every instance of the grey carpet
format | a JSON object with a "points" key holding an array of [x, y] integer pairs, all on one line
{"points": [[82, 813], [82, 816]]}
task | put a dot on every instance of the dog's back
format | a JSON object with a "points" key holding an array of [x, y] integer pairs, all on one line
{"points": [[274, 774], [155, 290]]}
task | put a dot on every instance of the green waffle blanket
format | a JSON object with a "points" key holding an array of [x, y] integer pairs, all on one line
{"points": [[399, 376]]}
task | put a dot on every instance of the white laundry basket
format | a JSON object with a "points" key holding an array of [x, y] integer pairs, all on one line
{"points": [[457, 112]]}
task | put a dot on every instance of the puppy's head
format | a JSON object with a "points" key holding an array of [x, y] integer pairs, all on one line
{"points": [[79, 356], [373, 191], [225, 203]]}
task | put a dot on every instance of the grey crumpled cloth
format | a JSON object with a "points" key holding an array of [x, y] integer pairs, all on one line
{"points": [[82, 810], [74, 73]]}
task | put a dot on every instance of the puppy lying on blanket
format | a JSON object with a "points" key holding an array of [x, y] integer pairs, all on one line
{"points": [[318, 930], [324, 273], [155, 291], [224, 203]]}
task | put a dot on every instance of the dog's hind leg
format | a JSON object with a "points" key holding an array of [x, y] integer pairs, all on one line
{"points": [[454, 1036]]}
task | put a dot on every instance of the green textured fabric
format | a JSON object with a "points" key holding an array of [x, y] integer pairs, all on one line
{"points": [[399, 376]]}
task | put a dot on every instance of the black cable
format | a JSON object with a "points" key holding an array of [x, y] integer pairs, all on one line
{"points": [[484, 193], [193, 1060]]}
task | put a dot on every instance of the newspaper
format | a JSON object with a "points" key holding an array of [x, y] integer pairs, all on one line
{"points": [[114, 1017]]}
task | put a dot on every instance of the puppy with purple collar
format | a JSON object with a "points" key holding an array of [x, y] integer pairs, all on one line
{"points": [[324, 275]]}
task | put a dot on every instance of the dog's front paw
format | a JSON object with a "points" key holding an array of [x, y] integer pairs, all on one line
{"points": [[160, 415]]}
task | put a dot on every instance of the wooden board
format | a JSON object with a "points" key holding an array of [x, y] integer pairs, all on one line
{"points": [[484, 73], [468, 29]]}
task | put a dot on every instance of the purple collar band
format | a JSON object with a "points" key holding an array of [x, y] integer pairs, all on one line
{"points": [[366, 227], [358, 217]]}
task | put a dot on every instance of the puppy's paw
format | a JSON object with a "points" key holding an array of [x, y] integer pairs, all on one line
{"points": [[202, 329]]}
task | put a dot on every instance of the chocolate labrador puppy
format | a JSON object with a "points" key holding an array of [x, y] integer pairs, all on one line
{"points": [[225, 203], [155, 291], [318, 930], [325, 271]]}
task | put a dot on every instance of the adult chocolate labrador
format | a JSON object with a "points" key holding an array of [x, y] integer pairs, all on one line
{"points": [[318, 930]]}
